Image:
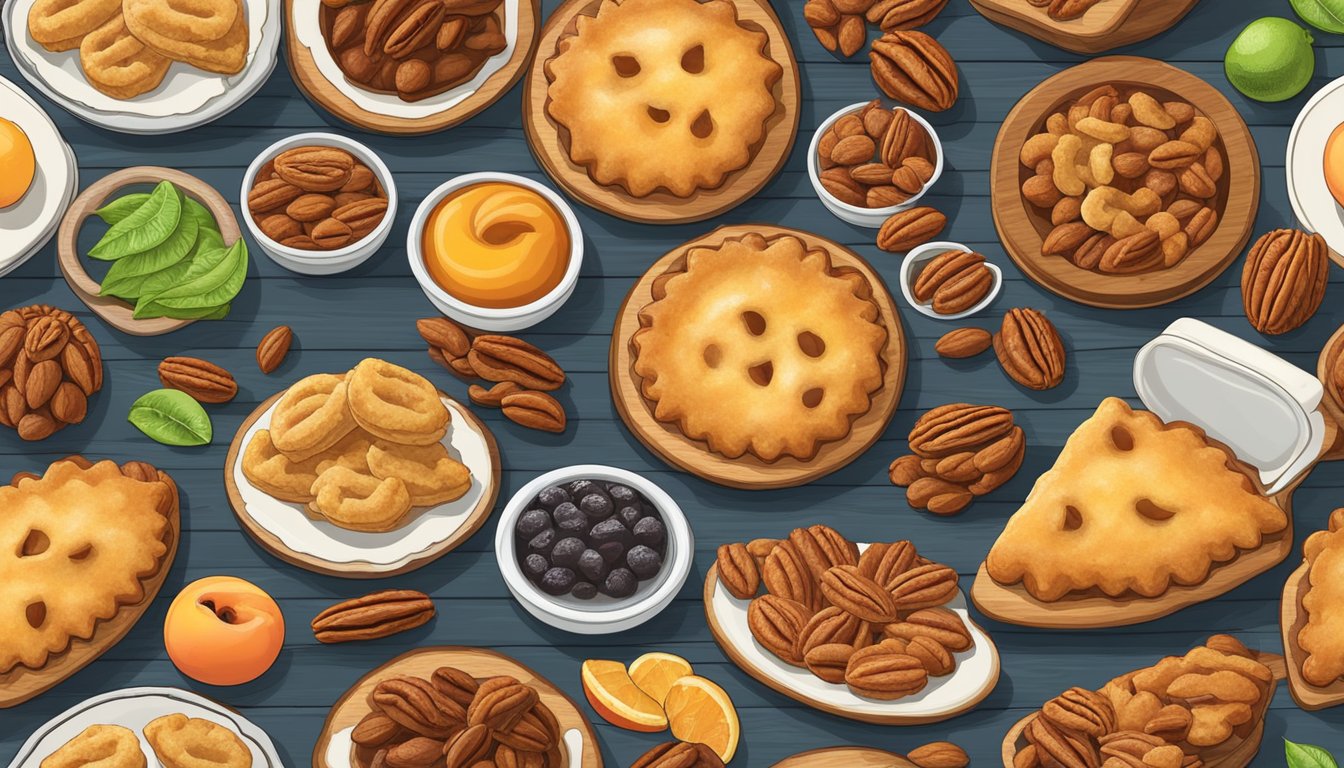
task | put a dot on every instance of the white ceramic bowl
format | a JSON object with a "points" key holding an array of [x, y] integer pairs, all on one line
{"points": [[856, 215], [491, 318], [602, 615], [914, 261], [322, 262]]}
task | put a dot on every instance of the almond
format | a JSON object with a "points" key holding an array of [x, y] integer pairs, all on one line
{"points": [[910, 228], [310, 207], [963, 342], [939, 754], [853, 150], [273, 348]]}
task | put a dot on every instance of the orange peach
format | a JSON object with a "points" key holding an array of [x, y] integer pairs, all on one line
{"points": [[223, 630]]}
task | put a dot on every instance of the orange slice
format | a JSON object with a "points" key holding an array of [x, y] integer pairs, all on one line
{"points": [[618, 700], [701, 712], [655, 673]]}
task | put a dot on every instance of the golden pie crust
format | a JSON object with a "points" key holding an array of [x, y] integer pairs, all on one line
{"points": [[662, 94], [76, 544], [760, 346], [1132, 505], [1322, 637]]}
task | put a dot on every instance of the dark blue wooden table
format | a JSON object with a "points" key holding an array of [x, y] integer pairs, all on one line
{"points": [[338, 320]]}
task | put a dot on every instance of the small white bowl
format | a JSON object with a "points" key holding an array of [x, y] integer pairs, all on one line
{"points": [[602, 615], [856, 215], [914, 260], [322, 262], [508, 319]]}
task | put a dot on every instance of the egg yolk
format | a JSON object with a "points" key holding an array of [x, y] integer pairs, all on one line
{"points": [[17, 164]]}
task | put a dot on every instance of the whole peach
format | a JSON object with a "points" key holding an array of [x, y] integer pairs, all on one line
{"points": [[223, 630]]}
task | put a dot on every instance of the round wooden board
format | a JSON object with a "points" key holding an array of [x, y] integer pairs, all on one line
{"points": [[116, 312], [747, 471], [271, 543], [1292, 619], [477, 662], [316, 86], [1238, 756], [21, 683], [1023, 229], [1325, 363], [1108, 25], [544, 134], [845, 757], [730, 650]]}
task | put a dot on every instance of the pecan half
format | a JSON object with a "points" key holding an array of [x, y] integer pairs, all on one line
{"points": [[442, 333], [924, 586], [1029, 349], [912, 67], [505, 358], [737, 571], [415, 30], [417, 706], [847, 588], [315, 169], [379, 614], [941, 625], [1283, 282], [910, 228], [958, 427], [273, 348], [534, 410], [776, 622], [203, 380], [885, 672]]}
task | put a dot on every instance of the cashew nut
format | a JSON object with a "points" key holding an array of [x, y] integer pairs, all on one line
{"points": [[1148, 111], [1103, 206], [1065, 156], [1112, 133]]}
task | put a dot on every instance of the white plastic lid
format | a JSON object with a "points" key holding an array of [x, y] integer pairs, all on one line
{"points": [[1258, 404]]}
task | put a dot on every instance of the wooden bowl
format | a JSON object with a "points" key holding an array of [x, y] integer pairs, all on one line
{"points": [[549, 141], [1333, 401], [1106, 25], [747, 471], [1292, 618], [114, 311], [317, 87], [845, 757], [477, 662], [1023, 228]]}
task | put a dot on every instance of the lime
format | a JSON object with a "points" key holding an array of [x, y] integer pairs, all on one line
{"points": [[1271, 60], [1326, 15]]}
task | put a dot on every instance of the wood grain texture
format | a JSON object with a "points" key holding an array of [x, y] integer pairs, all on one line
{"points": [[353, 705], [118, 313], [1105, 26], [748, 471], [549, 142], [315, 85], [845, 757], [1024, 228]]}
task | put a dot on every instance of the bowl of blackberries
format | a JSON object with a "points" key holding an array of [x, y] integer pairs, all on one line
{"points": [[593, 549]]}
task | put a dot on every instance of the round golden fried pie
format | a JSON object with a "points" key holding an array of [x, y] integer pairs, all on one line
{"points": [[99, 746]]}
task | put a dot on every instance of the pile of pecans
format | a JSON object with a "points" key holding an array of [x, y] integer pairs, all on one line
{"points": [[876, 157], [842, 25], [316, 199], [49, 366], [959, 451]]}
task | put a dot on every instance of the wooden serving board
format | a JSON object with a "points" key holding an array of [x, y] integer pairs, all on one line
{"points": [[1108, 24], [114, 311], [747, 471], [550, 142], [21, 683], [272, 543], [1023, 228], [317, 87], [478, 662], [1238, 755], [845, 757], [1292, 619], [1333, 400]]}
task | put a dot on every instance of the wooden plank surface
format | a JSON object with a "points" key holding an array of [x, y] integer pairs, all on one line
{"points": [[338, 320]]}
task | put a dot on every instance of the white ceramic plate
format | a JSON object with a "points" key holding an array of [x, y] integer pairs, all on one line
{"points": [[134, 708], [304, 17], [976, 672], [187, 97], [27, 225], [380, 551], [1312, 202]]}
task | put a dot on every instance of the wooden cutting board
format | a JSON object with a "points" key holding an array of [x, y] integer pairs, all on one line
{"points": [[1291, 620], [845, 757], [1107, 25]]}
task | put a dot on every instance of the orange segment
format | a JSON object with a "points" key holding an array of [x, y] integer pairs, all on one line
{"points": [[655, 673], [701, 712], [618, 700]]}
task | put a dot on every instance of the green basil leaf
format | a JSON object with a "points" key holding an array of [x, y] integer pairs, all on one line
{"points": [[121, 207], [210, 283], [171, 417], [208, 239], [1327, 15], [1307, 756], [144, 228], [220, 312], [129, 273], [148, 308]]}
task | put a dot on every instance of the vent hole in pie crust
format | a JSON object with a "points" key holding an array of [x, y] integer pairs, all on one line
{"points": [[1123, 438], [36, 614], [755, 322], [811, 344], [763, 373], [35, 544], [693, 61], [626, 66], [81, 553], [703, 126], [659, 115], [713, 355], [1150, 509], [1073, 519], [812, 397]]}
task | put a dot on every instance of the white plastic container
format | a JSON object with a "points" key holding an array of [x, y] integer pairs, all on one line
{"points": [[1261, 406], [914, 261]]}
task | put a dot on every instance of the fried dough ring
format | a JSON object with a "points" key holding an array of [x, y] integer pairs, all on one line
{"points": [[118, 64], [60, 25], [360, 502], [275, 473], [99, 746], [431, 476], [196, 21], [312, 416], [395, 404], [226, 55], [193, 742]]}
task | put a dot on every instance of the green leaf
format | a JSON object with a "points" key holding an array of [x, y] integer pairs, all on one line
{"points": [[207, 239], [144, 228], [212, 281], [149, 308], [1327, 15], [121, 207], [171, 417], [128, 274], [1307, 756]]}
